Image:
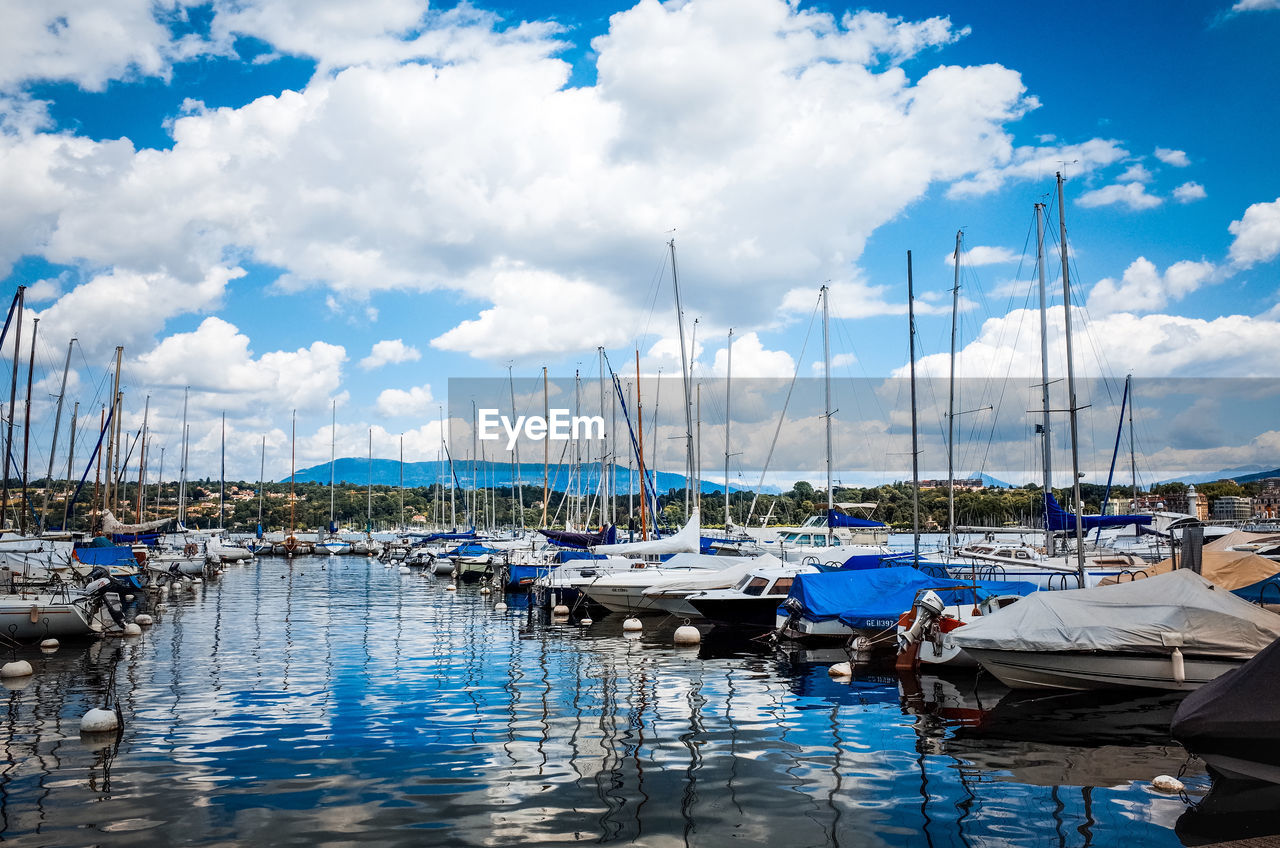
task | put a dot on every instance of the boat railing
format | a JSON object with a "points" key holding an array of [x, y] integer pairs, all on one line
{"points": [[1262, 594], [1064, 580]]}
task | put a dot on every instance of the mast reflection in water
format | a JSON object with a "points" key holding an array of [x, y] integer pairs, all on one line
{"points": [[330, 700]]}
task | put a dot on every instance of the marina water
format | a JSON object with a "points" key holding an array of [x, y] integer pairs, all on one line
{"points": [[332, 700]]}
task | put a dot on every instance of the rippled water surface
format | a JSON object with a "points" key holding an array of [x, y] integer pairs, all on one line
{"points": [[337, 702]]}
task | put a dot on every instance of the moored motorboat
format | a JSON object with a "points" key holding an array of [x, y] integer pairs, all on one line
{"points": [[1172, 631], [1232, 723]]}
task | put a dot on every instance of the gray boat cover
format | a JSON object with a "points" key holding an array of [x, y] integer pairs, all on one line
{"points": [[1177, 609]]}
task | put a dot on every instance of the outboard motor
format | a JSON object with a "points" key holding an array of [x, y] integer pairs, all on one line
{"points": [[99, 589], [928, 610]]}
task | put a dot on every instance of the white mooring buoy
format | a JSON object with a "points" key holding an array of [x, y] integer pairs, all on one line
{"points": [[143, 620], [451, 588], [132, 629], [560, 611], [17, 668], [49, 645], [484, 590], [632, 625], [1166, 783], [404, 569], [500, 607], [99, 721], [586, 622], [687, 634], [128, 597], [841, 670]]}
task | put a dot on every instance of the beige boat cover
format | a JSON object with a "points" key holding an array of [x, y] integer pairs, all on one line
{"points": [[1229, 569], [1240, 537], [1177, 609]]}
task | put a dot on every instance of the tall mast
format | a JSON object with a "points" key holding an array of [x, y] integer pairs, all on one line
{"points": [[13, 403], [684, 375], [644, 527], [368, 509], [262, 473], [26, 430], [826, 380], [576, 474], [159, 481], [1071, 388], [511, 384], [113, 439], [604, 444], [697, 454], [57, 425], [222, 476], [142, 458], [915, 446], [401, 521], [182, 477], [333, 430], [728, 396], [71, 454], [1133, 459], [293, 460], [1044, 381], [951, 404], [546, 448], [475, 475]]}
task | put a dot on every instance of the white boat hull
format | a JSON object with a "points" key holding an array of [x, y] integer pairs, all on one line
{"points": [[58, 620], [1088, 671]]}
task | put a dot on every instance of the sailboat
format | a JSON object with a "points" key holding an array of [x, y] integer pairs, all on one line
{"points": [[332, 542], [368, 546], [990, 558]]}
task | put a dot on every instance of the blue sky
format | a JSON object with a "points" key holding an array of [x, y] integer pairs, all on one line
{"points": [[283, 204]]}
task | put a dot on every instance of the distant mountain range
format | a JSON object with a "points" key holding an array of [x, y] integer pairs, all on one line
{"points": [[1240, 474], [386, 472]]}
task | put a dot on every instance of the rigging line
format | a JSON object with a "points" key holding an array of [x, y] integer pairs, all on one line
{"points": [[1004, 386], [782, 415], [655, 287]]}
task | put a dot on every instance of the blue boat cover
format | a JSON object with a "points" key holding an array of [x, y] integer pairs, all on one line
{"points": [[874, 598], [1058, 519], [1263, 592], [105, 555], [840, 519], [569, 555], [471, 550]]}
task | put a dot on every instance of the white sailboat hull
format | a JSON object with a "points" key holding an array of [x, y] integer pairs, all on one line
{"points": [[1084, 671]]}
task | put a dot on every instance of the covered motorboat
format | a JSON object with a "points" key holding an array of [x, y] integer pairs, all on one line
{"points": [[1233, 723], [1171, 631], [843, 604], [625, 590]]}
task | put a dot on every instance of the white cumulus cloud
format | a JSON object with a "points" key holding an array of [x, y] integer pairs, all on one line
{"points": [[1143, 288], [1257, 235], [394, 403], [1174, 158], [1189, 192], [390, 351], [1132, 195]]}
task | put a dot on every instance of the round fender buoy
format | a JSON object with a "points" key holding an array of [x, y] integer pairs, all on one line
{"points": [[49, 645], [1166, 783], [132, 629], [99, 721], [686, 634], [560, 611], [17, 668], [451, 588], [143, 620], [586, 622], [841, 670], [485, 590], [500, 607], [632, 625]]}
